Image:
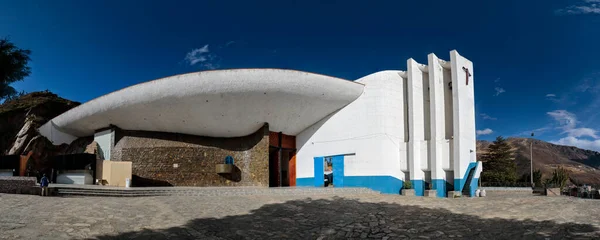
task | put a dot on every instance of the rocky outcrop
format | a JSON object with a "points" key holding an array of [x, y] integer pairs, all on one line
{"points": [[23, 137], [19, 120]]}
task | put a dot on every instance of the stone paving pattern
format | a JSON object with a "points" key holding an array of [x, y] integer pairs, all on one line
{"points": [[348, 216]]}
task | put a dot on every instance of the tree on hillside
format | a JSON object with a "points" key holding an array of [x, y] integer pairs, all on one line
{"points": [[560, 176], [498, 163], [13, 67]]}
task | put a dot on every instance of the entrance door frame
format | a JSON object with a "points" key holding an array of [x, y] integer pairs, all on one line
{"points": [[282, 143], [338, 170]]}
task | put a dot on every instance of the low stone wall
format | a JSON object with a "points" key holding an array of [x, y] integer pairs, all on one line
{"points": [[168, 159], [17, 184], [508, 191]]}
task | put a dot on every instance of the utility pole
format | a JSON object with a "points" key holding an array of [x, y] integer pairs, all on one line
{"points": [[531, 161]]}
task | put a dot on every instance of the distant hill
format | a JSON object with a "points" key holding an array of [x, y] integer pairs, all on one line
{"points": [[583, 165]]}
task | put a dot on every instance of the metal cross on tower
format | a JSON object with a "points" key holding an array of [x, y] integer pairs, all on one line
{"points": [[468, 74]]}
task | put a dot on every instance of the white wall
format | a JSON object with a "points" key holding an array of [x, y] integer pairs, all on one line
{"points": [[105, 140], [220, 103], [463, 114], [416, 121], [372, 127], [409, 121], [52, 133]]}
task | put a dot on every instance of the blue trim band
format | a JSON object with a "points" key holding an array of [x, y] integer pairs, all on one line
{"points": [[319, 179], [474, 185], [440, 186], [382, 184], [459, 184], [418, 186], [305, 182]]}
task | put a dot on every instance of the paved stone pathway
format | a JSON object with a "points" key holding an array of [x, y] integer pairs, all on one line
{"points": [[360, 216]]}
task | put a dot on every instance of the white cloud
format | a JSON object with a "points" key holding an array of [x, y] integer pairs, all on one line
{"points": [[229, 43], [197, 55], [580, 143], [550, 95], [582, 132], [499, 90], [589, 7], [537, 131], [575, 136], [566, 119], [202, 56], [487, 117], [486, 131]]}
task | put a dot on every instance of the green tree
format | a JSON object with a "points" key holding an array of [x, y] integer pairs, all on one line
{"points": [[537, 177], [498, 163], [13, 67], [560, 176]]}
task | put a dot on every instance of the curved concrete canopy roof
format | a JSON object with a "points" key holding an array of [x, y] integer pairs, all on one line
{"points": [[220, 103]]}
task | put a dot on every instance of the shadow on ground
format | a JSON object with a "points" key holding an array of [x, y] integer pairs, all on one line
{"points": [[343, 218]]}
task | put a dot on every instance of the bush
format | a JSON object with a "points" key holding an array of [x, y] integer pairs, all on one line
{"points": [[407, 185]]}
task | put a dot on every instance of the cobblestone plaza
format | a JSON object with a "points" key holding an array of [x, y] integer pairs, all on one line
{"points": [[319, 216]]}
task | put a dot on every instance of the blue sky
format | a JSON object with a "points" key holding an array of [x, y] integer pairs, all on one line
{"points": [[536, 62]]}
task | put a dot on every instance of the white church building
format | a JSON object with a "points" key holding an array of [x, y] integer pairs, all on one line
{"points": [[378, 131]]}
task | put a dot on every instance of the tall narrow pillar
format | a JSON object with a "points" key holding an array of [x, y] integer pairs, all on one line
{"points": [[463, 118], [416, 130], [438, 125]]}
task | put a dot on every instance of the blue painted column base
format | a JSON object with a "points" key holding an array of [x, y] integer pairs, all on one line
{"points": [[418, 186], [474, 185], [440, 186]]}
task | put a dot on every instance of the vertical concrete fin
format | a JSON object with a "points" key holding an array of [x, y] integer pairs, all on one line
{"points": [[415, 124], [463, 114]]}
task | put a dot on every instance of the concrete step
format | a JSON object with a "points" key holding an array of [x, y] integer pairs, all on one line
{"points": [[199, 191]]}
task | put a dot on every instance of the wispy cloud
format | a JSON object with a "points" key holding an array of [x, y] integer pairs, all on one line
{"points": [[576, 136], [582, 132], [580, 143], [486, 131], [229, 43], [584, 7], [197, 55], [565, 119], [499, 91], [202, 57], [487, 117], [537, 131], [550, 95]]}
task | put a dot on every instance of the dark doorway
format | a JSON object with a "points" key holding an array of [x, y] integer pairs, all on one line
{"points": [[282, 160]]}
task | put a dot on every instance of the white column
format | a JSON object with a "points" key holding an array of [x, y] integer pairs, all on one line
{"points": [[416, 121], [438, 125], [463, 116]]}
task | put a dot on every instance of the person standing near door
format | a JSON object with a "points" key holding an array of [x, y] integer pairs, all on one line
{"points": [[44, 184]]}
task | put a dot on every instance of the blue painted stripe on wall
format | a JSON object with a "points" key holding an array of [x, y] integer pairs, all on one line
{"points": [[338, 171], [440, 186], [474, 185], [459, 184], [305, 182], [419, 187], [383, 184], [318, 171]]}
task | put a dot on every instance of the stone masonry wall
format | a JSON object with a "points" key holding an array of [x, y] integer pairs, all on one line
{"points": [[16, 184], [168, 159]]}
